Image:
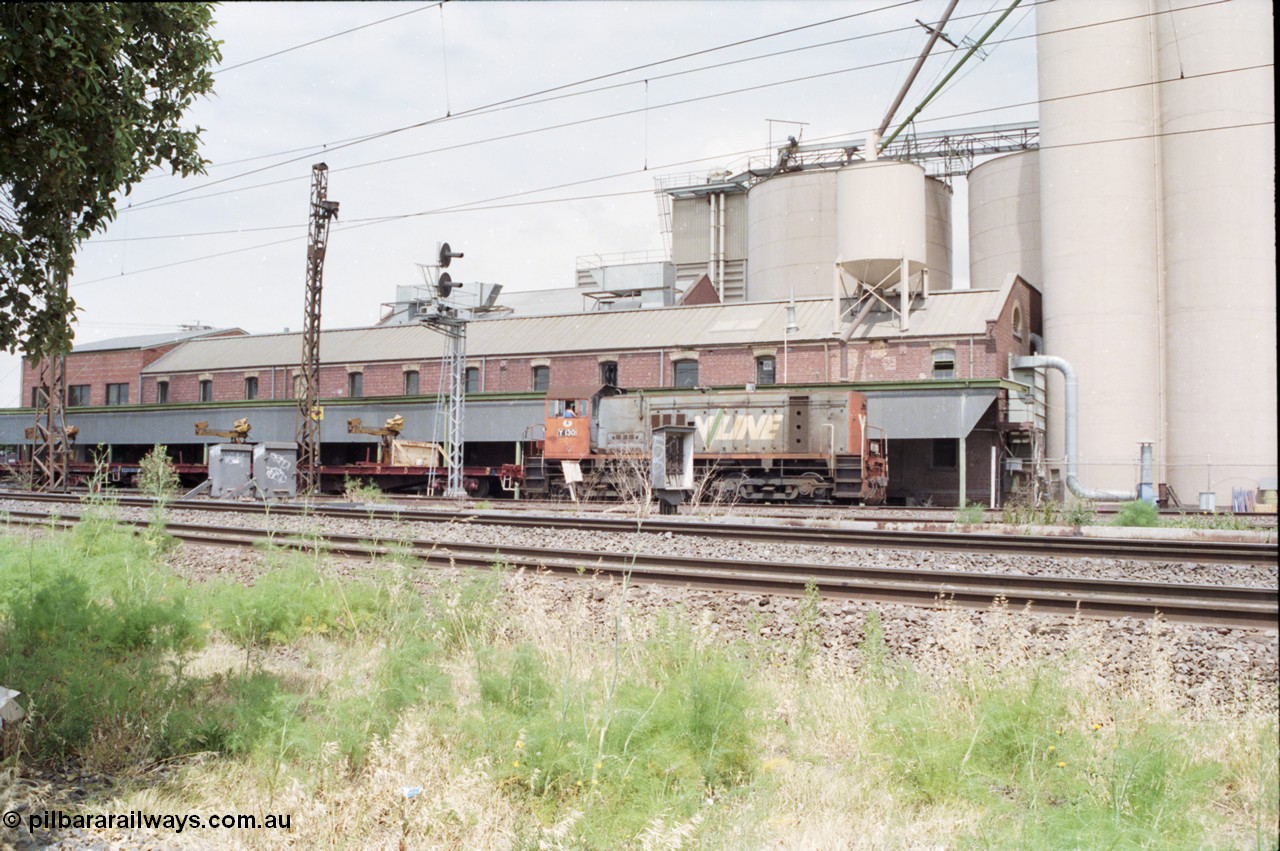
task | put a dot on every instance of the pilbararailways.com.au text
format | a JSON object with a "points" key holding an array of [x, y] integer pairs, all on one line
{"points": [[136, 819]]}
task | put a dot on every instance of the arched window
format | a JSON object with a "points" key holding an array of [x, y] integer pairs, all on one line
{"points": [[1017, 321], [686, 373], [766, 370], [944, 363]]}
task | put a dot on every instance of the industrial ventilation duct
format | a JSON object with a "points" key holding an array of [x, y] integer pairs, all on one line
{"points": [[1072, 417]]}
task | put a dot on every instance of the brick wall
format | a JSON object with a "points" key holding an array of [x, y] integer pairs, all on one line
{"points": [[980, 356], [97, 369]]}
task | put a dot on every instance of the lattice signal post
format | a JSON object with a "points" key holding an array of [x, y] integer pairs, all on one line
{"points": [[307, 432], [51, 440]]}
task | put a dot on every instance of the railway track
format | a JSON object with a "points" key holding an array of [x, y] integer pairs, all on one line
{"points": [[1215, 605], [803, 531], [781, 511]]}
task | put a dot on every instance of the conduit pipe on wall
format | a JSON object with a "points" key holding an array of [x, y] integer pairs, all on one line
{"points": [[1072, 415]]}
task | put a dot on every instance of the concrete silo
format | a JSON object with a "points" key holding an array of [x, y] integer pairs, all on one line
{"points": [[1158, 236], [880, 232], [791, 235], [937, 233], [1004, 220], [1099, 240], [794, 219], [1219, 245]]}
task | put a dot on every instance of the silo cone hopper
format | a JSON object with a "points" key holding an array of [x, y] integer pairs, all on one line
{"points": [[880, 240]]}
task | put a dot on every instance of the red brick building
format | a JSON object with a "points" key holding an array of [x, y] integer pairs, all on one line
{"points": [[109, 372]]}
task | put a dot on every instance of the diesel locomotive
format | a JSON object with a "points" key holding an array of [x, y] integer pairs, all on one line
{"points": [[749, 445]]}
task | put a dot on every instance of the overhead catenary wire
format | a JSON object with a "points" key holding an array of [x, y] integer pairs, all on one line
{"points": [[721, 157], [464, 208], [560, 87], [272, 55], [165, 200], [534, 99]]}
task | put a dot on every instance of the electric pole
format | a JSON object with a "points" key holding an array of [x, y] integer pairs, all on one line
{"points": [[307, 432]]}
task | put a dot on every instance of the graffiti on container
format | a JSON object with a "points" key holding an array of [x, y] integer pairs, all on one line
{"points": [[279, 469]]}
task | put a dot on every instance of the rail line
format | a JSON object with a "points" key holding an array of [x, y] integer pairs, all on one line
{"points": [[802, 531], [1215, 605]]}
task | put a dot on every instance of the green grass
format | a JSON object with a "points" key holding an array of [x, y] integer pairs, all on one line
{"points": [[656, 739], [1137, 513], [971, 513], [295, 679]]}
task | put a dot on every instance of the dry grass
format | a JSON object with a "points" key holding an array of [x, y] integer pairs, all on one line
{"points": [[830, 773]]}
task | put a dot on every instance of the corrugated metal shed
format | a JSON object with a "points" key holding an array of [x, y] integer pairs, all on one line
{"points": [[147, 341], [947, 314]]}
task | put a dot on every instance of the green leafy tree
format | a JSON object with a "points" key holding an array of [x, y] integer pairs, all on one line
{"points": [[91, 98]]}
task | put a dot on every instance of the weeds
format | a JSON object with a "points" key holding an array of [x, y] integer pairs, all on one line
{"points": [[1137, 513], [517, 727], [970, 514], [357, 490]]}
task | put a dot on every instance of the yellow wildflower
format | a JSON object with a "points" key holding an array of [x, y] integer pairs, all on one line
{"points": [[515, 764], [1062, 765], [1052, 748]]}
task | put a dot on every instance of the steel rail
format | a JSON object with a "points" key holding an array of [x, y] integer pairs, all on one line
{"points": [[1214, 605], [786, 532]]}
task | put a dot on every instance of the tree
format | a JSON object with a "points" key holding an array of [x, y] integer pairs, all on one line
{"points": [[91, 98]]}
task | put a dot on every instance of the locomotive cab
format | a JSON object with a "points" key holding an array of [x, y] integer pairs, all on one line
{"points": [[571, 419]]}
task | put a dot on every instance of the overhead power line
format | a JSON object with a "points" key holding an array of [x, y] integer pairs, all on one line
{"points": [[560, 87], [226, 68], [467, 208], [165, 200], [534, 99]]}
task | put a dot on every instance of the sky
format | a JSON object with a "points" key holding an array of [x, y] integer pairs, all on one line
{"points": [[516, 140]]}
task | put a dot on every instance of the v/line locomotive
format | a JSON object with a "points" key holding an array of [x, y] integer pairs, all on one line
{"points": [[764, 445]]}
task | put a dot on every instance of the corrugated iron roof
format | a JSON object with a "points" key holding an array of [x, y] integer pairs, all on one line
{"points": [[953, 313], [147, 341]]}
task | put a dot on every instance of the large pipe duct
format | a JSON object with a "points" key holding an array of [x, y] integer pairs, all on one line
{"points": [[1072, 417]]}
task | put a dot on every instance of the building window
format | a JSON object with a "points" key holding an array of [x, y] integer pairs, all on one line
{"points": [[766, 370], [38, 397], [162, 392], [117, 394], [541, 378], [355, 384], [77, 395], [609, 372], [686, 373], [944, 363], [206, 390], [251, 387], [473, 379], [945, 454], [1017, 321], [411, 382]]}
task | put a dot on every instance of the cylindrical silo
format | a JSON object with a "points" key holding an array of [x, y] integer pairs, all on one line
{"points": [[791, 235], [1219, 245], [937, 230], [1004, 220], [1099, 244], [880, 220]]}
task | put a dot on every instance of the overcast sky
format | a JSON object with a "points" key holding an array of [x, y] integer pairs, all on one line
{"points": [[153, 270]]}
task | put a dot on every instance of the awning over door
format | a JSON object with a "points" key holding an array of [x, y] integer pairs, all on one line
{"points": [[922, 414]]}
